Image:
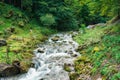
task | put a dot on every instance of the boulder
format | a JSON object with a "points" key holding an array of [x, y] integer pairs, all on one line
{"points": [[3, 42], [56, 38], [8, 70]]}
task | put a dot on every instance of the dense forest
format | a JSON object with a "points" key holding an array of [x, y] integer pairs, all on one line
{"points": [[85, 32], [68, 14]]}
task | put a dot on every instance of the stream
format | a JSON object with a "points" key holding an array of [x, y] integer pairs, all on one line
{"points": [[50, 58]]}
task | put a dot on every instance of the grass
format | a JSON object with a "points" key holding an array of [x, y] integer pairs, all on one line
{"points": [[24, 39], [104, 55], [90, 36]]}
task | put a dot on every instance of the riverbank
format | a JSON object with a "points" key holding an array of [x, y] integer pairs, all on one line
{"points": [[21, 35], [100, 53]]}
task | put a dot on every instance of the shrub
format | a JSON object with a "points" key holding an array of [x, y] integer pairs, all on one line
{"points": [[47, 20]]}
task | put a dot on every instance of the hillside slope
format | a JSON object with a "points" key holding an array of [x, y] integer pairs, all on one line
{"points": [[21, 34], [100, 53]]}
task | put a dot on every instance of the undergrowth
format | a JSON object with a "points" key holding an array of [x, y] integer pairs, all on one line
{"points": [[21, 33], [104, 55]]}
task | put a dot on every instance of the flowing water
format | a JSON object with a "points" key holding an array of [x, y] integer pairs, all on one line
{"points": [[50, 58]]}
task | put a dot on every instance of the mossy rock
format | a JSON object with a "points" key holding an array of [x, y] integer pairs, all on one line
{"points": [[56, 38], [43, 39]]}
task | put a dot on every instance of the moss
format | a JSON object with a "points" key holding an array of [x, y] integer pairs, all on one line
{"points": [[24, 39], [91, 36]]}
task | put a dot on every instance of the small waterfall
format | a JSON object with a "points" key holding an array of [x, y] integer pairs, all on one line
{"points": [[50, 58]]}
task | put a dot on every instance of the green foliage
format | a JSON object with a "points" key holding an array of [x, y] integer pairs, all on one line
{"points": [[87, 11], [55, 12], [26, 37], [47, 20], [105, 70], [68, 14], [47, 31], [89, 36], [104, 55], [27, 5], [12, 56], [107, 7], [84, 14], [116, 76]]}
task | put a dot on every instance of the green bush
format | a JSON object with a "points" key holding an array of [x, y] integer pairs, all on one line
{"points": [[47, 20]]}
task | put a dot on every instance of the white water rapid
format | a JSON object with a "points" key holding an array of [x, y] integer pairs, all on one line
{"points": [[50, 58]]}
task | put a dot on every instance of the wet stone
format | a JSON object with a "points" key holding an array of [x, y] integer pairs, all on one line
{"points": [[56, 38], [40, 50], [70, 52], [74, 55]]}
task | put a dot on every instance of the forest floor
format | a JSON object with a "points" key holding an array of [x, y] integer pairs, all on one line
{"points": [[100, 53], [21, 34]]}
